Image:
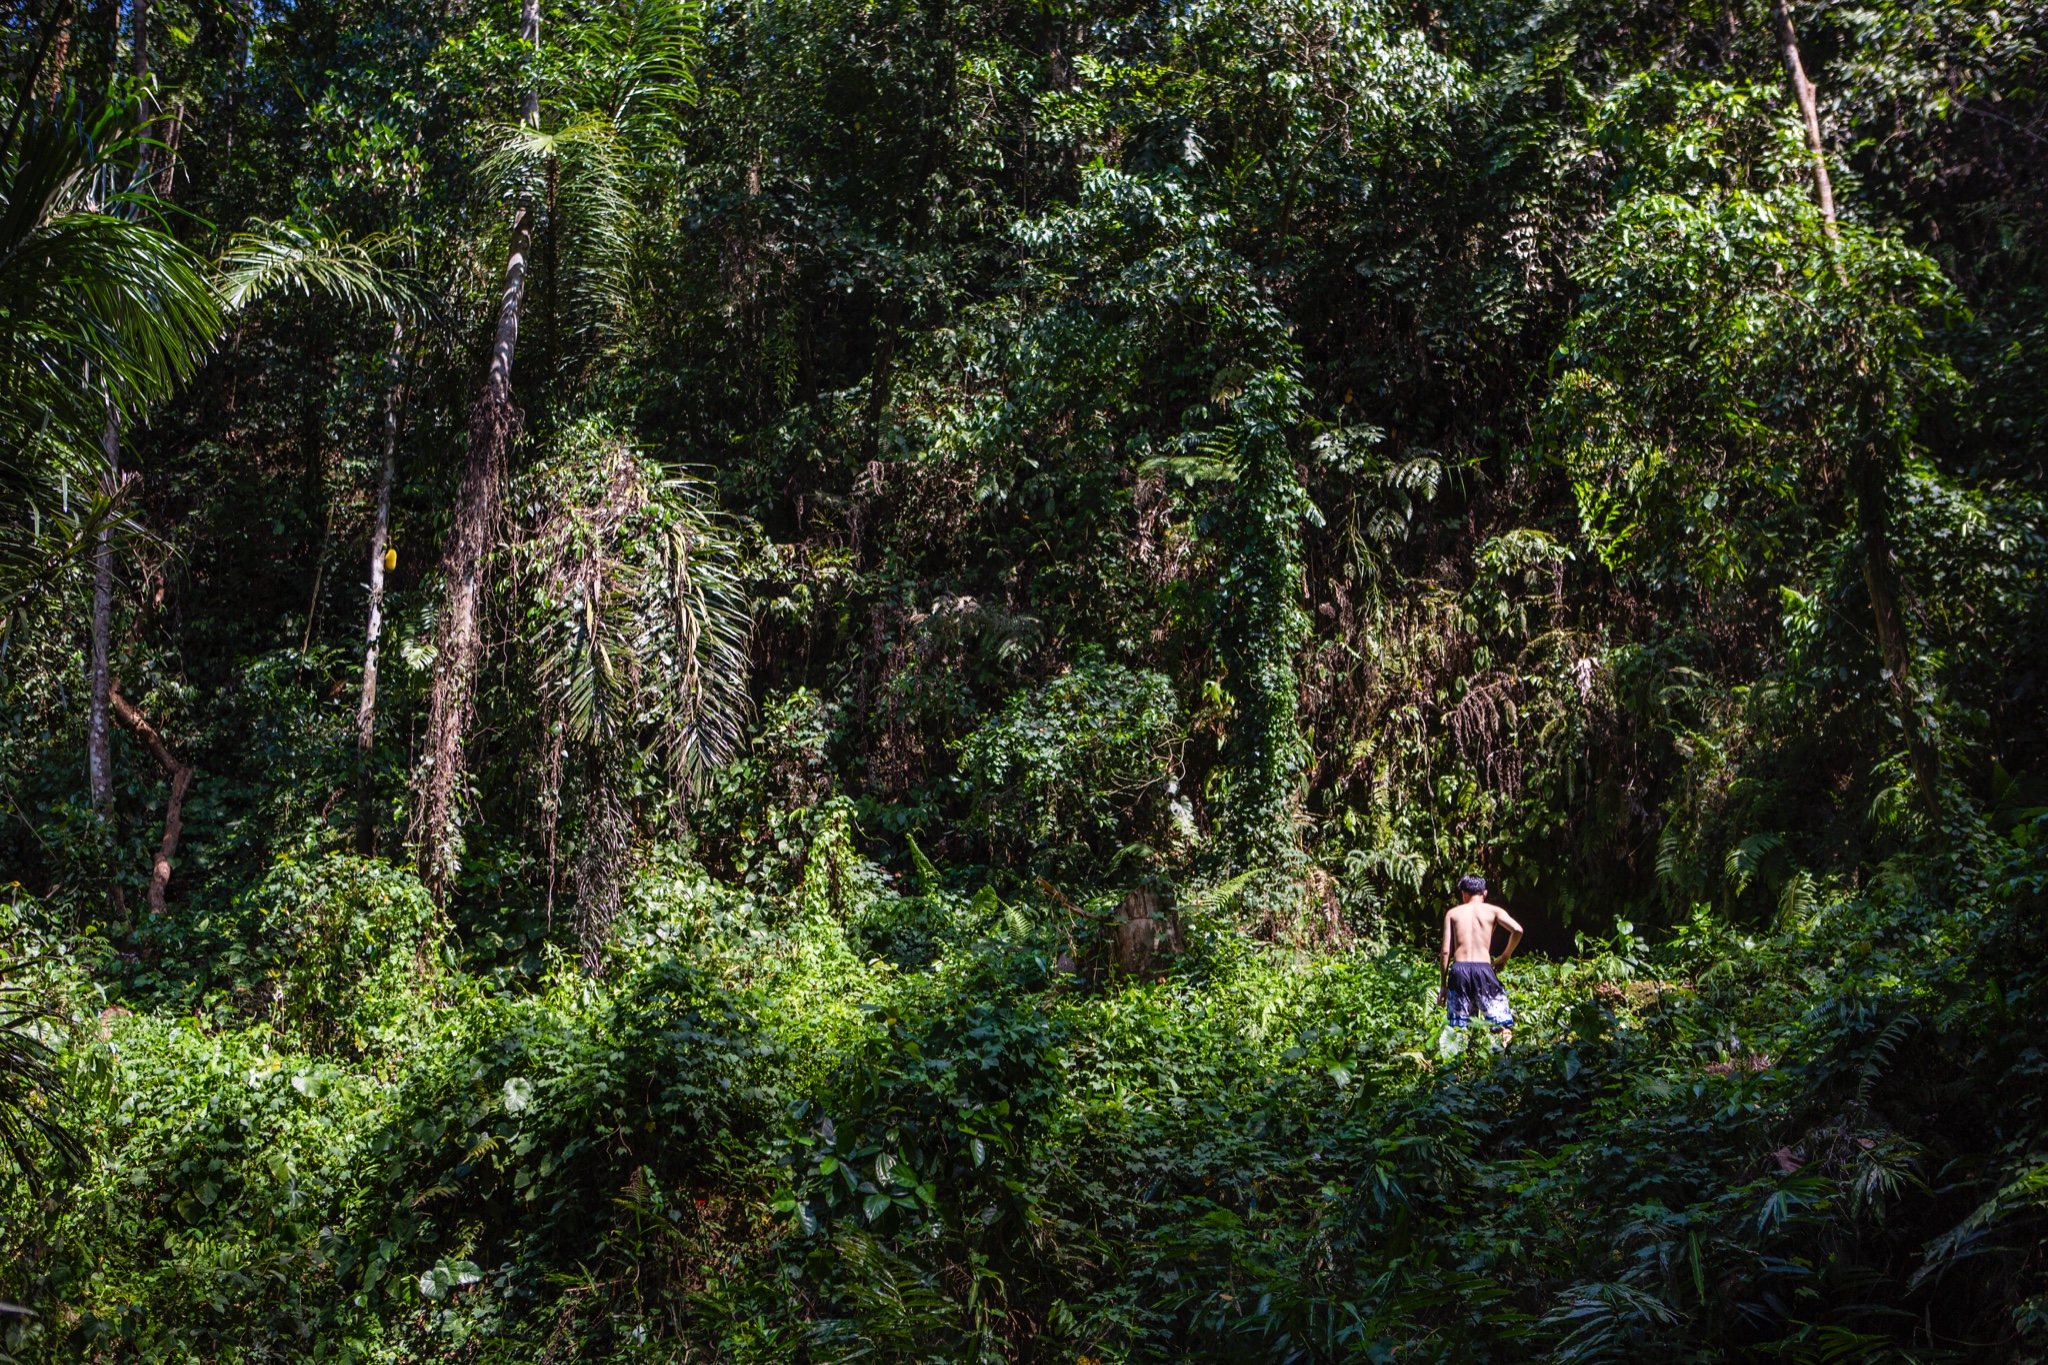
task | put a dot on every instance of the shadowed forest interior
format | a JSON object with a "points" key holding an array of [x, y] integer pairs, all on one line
{"points": [[803, 680]]}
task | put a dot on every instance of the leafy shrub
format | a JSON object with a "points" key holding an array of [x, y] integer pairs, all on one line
{"points": [[526, 1121], [764, 810], [347, 940], [1066, 766]]}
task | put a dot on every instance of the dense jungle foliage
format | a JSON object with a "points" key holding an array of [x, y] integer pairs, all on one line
{"points": [[802, 680]]}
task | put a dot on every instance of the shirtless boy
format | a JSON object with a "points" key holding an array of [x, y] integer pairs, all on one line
{"points": [[1470, 986]]}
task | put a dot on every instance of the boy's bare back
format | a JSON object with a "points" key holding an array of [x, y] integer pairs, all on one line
{"points": [[1468, 931]]}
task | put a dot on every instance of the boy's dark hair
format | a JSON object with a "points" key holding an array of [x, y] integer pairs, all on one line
{"points": [[1471, 886]]}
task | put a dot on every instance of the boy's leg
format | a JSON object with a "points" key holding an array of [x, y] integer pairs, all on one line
{"points": [[1450, 1040], [1493, 1003], [1457, 1003]]}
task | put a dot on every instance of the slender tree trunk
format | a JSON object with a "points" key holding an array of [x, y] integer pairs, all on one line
{"points": [[167, 174], [1803, 92], [138, 52], [31, 81], [553, 267], [1872, 488], [99, 759], [881, 381], [529, 33], [103, 22], [1870, 473], [319, 573], [380, 530], [494, 424], [313, 468], [180, 775], [52, 80]]}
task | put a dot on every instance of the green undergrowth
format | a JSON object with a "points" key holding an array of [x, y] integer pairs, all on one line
{"points": [[758, 1137]]}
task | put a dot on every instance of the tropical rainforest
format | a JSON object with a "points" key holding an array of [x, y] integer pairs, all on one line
{"points": [[804, 680]]}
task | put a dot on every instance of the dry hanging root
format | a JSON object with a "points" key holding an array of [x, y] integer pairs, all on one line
{"points": [[174, 808], [494, 428]]}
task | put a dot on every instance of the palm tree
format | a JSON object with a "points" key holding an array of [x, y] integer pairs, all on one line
{"points": [[380, 530], [494, 424], [103, 313], [264, 259], [626, 66]]}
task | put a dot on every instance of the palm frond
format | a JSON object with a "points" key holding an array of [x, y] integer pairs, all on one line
{"points": [[267, 257], [99, 305], [1204, 456], [639, 618], [599, 217], [37, 546], [708, 626], [636, 59], [31, 1134], [2024, 1195], [1608, 1321], [582, 168], [519, 153], [88, 279], [120, 295]]}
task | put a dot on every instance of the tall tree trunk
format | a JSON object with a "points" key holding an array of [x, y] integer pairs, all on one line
{"points": [[494, 424], [1870, 473], [180, 775], [52, 79], [1259, 627], [313, 467], [25, 95], [552, 267], [881, 379], [1872, 487], [380, 530], [138, 52], [319, 574], [103, 24], [138, 40], [167, 173], [99, 759], [1803, 92]]}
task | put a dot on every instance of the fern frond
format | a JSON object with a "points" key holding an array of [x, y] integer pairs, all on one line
{"points": [[1879, 1055]]}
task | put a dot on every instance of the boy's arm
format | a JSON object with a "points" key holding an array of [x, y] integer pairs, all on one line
{"points": [[1507, 922], [1443, 961]]}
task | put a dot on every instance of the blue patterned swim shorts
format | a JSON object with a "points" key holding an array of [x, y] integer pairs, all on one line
{"points": [[1474, 989]]}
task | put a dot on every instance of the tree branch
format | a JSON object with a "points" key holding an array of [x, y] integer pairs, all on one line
{"points": [[174, 809]]}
